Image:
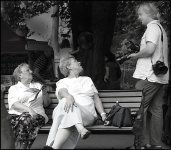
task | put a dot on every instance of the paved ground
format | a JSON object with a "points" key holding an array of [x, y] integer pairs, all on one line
{"points": [[96, 141]]}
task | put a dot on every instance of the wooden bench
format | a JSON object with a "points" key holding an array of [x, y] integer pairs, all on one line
{"points": [[126, 98]]}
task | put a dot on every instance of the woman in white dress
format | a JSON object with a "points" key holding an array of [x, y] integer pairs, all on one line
{"points": [[78, 98]]}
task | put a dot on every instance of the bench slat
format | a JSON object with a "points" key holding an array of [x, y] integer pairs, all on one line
{"points": [[98, 129], [109, 105], [120, 99], [120, 93], [105, 99]]}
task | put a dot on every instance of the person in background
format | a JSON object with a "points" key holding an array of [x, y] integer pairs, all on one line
{"points": [[153, 47], [43, 68], [78, 98], [84, 54], [65, 48], [112, 72], [26, 101]]}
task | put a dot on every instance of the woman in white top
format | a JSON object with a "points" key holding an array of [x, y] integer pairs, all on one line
{"points": [[26, 101], [78, 98]]}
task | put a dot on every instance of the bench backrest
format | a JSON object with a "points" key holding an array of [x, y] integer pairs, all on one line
{"points": [[126, 98]]}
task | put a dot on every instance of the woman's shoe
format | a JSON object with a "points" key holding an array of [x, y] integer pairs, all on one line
{"points": [[146, 146], [85, 134], [156, 147], [47, 147]]}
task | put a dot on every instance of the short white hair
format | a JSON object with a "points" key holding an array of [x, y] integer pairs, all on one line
{"points": [[64, 63], [17, 71], [149, 8]]}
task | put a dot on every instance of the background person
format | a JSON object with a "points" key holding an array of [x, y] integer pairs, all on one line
{"points": [[112, 72], [43, 68], [26, 101], [78, 98], [84, 54], [152, 48]]}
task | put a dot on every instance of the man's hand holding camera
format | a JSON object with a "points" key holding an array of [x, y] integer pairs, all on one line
{"points": [[132, 50]]}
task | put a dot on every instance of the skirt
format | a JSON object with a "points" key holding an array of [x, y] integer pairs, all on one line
{"points": [[26, 127]]}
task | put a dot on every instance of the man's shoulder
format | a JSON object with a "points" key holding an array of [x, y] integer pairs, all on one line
{"points": [[154, 27]]}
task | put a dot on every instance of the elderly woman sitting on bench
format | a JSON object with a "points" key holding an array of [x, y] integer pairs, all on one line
{"points": [[26, 101], [78, 98]]}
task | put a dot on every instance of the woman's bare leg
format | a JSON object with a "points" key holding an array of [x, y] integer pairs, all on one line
{"points": [[60, 138], [79, 127]]}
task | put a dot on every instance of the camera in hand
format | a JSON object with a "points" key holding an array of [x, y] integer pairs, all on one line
{"points": [[133, 48], [159, 68]]}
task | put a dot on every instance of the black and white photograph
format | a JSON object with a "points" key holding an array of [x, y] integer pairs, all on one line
{"points": [[82, 74]]}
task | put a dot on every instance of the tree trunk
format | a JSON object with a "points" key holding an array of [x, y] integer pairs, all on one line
{"points": [[81, 18], [103, 19], [54, 42], [97, 17]]}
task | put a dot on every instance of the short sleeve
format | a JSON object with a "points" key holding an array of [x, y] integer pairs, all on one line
{"points": [[92, 85], [59, 85], [153, 34], [12, 97]]}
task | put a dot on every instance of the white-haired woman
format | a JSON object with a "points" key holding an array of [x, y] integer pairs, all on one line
{"points": [[26, 101], [78, 98]]}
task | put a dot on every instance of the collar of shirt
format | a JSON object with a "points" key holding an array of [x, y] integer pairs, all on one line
{"points": [[31, 85], [21, 85]]}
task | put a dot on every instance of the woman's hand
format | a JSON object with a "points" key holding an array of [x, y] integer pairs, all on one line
{"points": [[32, 112], [46, 99], [70, 102], [103, 117], [106, 78]]}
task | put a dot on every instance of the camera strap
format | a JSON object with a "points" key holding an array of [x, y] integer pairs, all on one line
{"points": [[161, 41]]}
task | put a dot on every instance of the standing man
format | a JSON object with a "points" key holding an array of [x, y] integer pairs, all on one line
{"points": [[154, 47]]}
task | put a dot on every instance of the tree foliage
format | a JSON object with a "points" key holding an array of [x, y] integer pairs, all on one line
{"points": [[127, 25], [15, 12]]}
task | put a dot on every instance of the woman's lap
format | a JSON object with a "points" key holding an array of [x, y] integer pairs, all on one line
{"points": [[25, 127], [78, 115]]}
